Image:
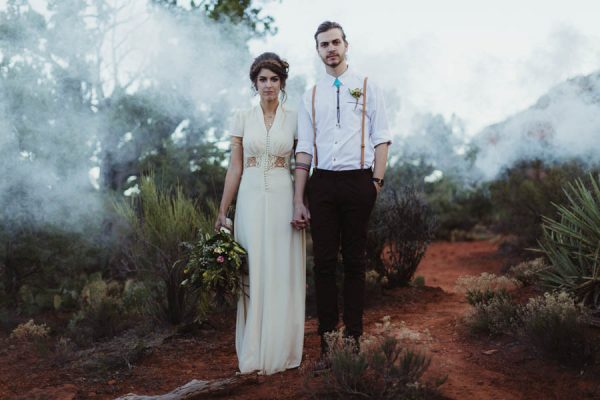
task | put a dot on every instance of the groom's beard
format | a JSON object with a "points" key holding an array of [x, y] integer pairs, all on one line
{"points": [[333, 63]]}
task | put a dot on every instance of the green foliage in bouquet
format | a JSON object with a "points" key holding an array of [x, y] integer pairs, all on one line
{"points": [[216, 264], [572, 243]]}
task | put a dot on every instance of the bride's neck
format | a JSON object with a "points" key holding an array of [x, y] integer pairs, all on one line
{"points": [[269, 106]]}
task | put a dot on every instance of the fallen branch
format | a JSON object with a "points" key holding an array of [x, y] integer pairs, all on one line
{"points": [[196, 387]]}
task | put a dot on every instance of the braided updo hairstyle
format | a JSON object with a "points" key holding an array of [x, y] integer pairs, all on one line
{"points": [[273, 63]]}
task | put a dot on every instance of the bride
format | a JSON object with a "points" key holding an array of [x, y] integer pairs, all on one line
{"points": [[270, 317]]}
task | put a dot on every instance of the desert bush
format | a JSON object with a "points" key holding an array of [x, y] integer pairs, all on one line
{"points": [[384, 366], [528, 272], [572, 243], [494, 313], [102, 320], [374, 283], [401, 228], [105, 310], [41, 260], [418, 281], [459, 207], [30, 331], [160, 220], [526, 191], [478, 285], [556, 327]]}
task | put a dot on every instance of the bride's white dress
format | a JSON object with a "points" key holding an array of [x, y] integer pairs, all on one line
{"points": [[270, 320]]}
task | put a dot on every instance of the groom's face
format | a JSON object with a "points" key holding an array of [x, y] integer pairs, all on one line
{"points": [[331, 47]]}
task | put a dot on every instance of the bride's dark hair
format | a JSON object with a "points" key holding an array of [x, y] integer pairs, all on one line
{"points": [[273, 63]]}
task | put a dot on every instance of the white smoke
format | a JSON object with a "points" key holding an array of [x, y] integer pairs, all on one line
{"points": [[563, 125], [50, 152]]}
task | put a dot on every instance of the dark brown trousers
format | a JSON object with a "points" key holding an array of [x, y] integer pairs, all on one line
{"points": [[340, 203]]}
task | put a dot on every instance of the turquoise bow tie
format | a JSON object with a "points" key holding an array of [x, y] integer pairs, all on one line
{"points": [[337, 83]]}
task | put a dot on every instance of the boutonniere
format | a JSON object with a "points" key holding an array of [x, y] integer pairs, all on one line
{"points": [[356, 93]]}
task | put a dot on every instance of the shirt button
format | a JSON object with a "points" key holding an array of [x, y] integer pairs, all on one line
{"points": [[334, 159], [336, 142]]}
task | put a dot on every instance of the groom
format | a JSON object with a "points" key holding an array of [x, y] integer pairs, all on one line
{"points": [[343, 131]]}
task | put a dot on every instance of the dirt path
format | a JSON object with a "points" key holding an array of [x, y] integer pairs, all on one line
{"points": [[511, 372]]}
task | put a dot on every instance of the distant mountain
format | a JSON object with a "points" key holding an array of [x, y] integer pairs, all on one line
{"points": [[562, 124]]}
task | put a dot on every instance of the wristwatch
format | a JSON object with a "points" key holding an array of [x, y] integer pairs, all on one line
{"points": [[378, 181]]}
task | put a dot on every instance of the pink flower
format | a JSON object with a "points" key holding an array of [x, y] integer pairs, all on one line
{"points": [[220, 259]]}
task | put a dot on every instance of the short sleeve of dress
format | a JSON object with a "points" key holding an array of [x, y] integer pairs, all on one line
{"points": [[294, 115], [237, 126]]}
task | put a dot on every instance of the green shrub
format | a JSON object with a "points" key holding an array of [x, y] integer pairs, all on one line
{"points": [[418, 281], [458, 207], [401, 228], [160, 221], [528, 272], [39, 261], [572, 243], [475, 296], [384, 366], [556, 327], [494, 313], [526, 191], [485, 282]]}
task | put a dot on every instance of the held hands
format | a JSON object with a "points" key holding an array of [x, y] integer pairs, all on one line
{"points": [[301, 217]]}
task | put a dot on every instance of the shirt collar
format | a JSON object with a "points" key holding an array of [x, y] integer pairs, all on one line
{"points": [[343, 77]]}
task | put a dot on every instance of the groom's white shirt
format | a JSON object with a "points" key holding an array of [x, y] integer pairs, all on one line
{"points": [[338, 146]]}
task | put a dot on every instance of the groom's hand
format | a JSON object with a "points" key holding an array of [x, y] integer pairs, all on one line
{"points": [[301, 217]]}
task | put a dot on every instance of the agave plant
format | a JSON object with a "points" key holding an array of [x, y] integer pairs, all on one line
{"points": [[572, 243]]}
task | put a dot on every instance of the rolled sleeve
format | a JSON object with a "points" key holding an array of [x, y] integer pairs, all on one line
{"points": [[379, 128], [305, 130]]}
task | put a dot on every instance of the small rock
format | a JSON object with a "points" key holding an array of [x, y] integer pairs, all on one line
{"points": [[489, 352]]}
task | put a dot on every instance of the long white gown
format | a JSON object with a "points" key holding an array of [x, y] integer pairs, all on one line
{"points": [[270, 321]]}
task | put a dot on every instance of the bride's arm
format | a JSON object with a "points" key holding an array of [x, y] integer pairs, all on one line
{"points": [[232, 180]]}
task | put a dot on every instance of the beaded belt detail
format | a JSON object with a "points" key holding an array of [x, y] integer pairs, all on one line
{"points": [[266, 161]]}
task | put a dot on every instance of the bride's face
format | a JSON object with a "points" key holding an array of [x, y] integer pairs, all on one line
{"points": [[268, 85]]}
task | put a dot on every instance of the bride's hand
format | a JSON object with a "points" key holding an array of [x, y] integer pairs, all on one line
{"points": [[301, 217], [221, 222]]}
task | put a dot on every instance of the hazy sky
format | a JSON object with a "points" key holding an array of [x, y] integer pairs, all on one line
{"points": [[481, 60]]}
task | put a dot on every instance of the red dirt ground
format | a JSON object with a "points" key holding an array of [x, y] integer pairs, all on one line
{"points": [[512, 372]]}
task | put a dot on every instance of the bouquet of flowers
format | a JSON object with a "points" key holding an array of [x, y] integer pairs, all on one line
{"points": [[216, 265]]}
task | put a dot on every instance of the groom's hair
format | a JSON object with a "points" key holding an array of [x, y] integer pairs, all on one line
{"points": [[327, 25]]}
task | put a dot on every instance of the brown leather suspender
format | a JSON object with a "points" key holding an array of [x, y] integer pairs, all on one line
{"points": [[314, 123], [364, 111]]}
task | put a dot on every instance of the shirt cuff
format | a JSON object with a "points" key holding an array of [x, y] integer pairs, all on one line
{"points": [[383, 137], [304, 147]]}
